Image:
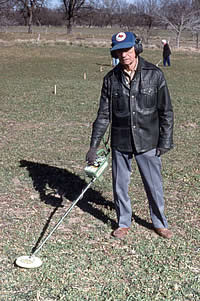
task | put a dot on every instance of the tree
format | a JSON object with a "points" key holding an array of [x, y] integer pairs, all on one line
{"points": [[194, 22], [145, 17], [110, 10], [177, 14], [71, 9], [6, 12], [28, 8]]}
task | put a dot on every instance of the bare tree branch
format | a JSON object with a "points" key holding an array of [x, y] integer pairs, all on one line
{"points": [[177, 15]]}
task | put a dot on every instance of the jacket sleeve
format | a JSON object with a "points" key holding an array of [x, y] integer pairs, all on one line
{"points": [[166, 116], [101, 123]]}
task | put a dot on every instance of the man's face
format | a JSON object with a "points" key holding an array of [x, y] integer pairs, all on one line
{"points": [[127, 56]]}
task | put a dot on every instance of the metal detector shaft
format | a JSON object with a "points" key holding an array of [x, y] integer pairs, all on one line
{"points": [[66, 213]]}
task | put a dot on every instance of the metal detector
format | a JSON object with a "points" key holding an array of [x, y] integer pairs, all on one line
{"points": [[94, 172], [158, 63]]}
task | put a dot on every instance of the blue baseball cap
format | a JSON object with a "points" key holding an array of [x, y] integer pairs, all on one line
{"points": [[123, 40]]}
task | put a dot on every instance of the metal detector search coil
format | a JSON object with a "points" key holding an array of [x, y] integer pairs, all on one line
{"points": [[28, 262], [100, 164]]}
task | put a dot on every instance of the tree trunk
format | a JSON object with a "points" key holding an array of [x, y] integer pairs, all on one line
{"points": [[178, 39], [197, 40], [69, 27], [30, 21], [30, 17]]}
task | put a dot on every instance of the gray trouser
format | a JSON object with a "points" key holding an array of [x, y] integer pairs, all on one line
{"points": [[150, 170]]}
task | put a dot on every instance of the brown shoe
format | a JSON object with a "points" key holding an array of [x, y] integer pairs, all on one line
{"points": [[120, 232], [164, 232]]}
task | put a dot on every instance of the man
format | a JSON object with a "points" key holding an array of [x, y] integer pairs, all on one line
{"points": [[136, 101], [166, 53]]}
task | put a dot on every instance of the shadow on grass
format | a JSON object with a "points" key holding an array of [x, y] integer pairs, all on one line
{"points": [[142, 222], [54, 183]]}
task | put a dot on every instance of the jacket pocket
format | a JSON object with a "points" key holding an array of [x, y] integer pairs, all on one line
{"points": [[120, 103], [148, 97]]}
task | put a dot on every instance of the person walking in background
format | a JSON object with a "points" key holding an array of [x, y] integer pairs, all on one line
{"points": [[135, 101], [166, 53]]}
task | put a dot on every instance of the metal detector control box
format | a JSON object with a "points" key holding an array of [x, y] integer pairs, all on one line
{"points": [[100, 164]]}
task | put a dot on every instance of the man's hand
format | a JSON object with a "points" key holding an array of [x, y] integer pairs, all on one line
{"points": [[91, 155], [161, 151]]}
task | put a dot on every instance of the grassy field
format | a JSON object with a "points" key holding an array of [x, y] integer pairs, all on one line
{"points": [[93, 37], [44, 139]]}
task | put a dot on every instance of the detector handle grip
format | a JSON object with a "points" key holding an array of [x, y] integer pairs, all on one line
{"points": [[103, 152]]}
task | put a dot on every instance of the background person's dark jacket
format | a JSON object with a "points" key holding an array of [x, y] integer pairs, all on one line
{"points": [[141, 112], [166, 51]]}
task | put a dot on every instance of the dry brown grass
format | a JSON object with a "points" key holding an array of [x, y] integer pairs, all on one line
{"points": [[89, 37]]}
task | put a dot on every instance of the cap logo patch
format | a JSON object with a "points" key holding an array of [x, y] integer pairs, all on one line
{"points": [[121, 36]]}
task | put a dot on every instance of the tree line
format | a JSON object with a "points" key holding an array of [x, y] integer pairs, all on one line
{"points": [[176, 15]]}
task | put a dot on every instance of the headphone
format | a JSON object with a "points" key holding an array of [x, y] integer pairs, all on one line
{"points": [[138, 48]]}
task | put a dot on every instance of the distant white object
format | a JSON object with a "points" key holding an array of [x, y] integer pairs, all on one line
{"points": [[164, 41], [115, 61]]}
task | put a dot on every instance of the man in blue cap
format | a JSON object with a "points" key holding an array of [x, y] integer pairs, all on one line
{"points": [[136, 102]]}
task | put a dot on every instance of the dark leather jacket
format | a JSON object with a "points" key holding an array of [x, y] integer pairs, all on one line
{"points": [[141, 113]]}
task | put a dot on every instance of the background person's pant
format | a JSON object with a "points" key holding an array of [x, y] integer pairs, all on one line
{"points": [[150, 170], [166, 61]]}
